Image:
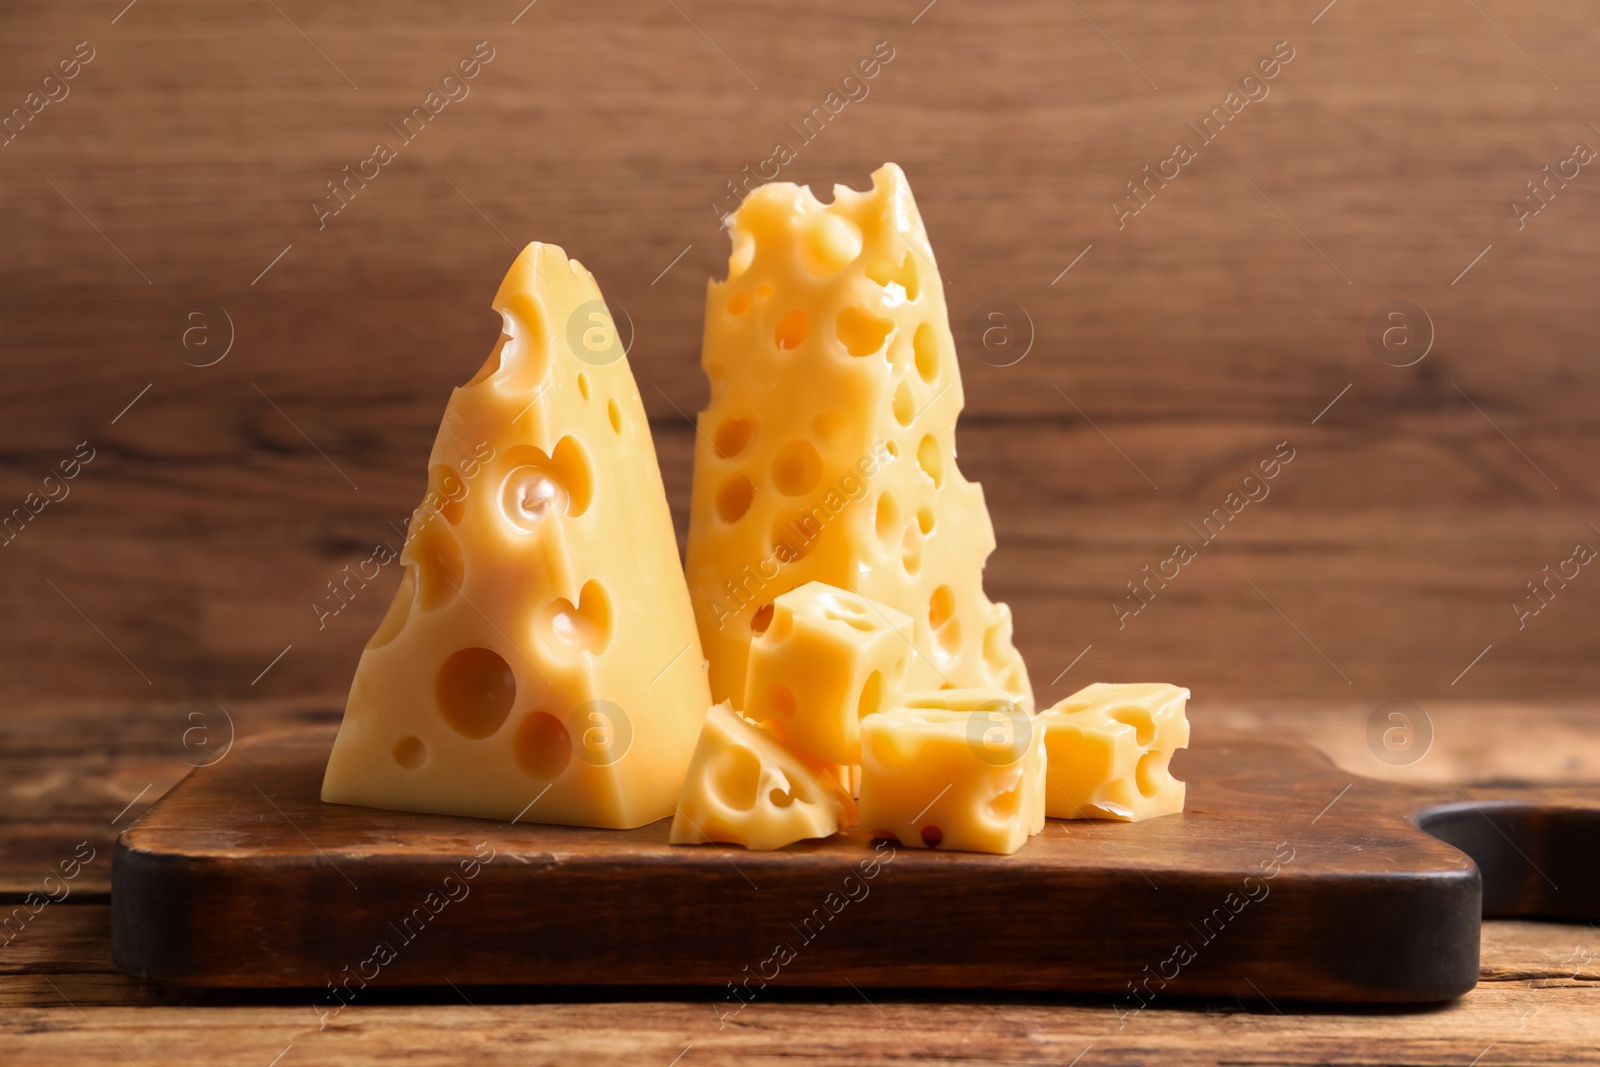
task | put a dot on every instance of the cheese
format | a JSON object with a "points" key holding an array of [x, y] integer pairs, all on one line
{"points": [[954, 769], [827, 451], [744, 788], [540, 660], [1109, 748], [826, 659]]}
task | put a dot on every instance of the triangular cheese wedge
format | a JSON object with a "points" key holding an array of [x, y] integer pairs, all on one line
{"points": [[827, 452], [745, 788], [540, 660]]}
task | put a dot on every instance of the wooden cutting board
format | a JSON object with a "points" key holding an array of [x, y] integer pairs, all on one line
{"points": [[1284, 878]]}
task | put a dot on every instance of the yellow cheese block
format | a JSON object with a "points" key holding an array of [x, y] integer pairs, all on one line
{"points": [[827, 451], [744, 788], [540, 660], [826, 659], [1109, 748], [954, 769]]}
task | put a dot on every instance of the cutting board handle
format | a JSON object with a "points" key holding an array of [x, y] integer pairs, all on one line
{"points": [[1538, 849]]}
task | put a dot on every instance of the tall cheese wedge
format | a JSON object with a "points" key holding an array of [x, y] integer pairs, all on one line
{"points": [[540, 660], [827, 451]]}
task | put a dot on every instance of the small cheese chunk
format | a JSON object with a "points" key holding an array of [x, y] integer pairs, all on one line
{"points": [[958, 769], [826, 659], [1109, 748], [827, 451], [744, 788], [540, 660]]}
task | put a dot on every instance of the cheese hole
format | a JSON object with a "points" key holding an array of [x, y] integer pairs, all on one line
{"points": [[733, 499], [1151, 773], [796, 468], [900, 283], [451, 492], [586, 625], [911, 552], [530, 495], [475, 690], [780, 698], [948, 637], [925, 519], [941, 606], [849, 614], [394, 620], [761, 619], [828, 425], [492, 364], [888, 518], [542, 747], [929, 459], [791, 328], [1005, 805], [744, 251], [410, 752], [732, 437], [440, 568], [899, 351], [583, 386], [735, 777], [884, 835], [932, 835], [905, 405], [795, 537], [887, 752], [571, 460], [861, 333], [782, 623], [872, 696], [539, 486], [738, 303], [1139, 719], [926, 346], [525, 358], [893, 448], [780, 798], [996, 647], [763, 292], [829, 243]]}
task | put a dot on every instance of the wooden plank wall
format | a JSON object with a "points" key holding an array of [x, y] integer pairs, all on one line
{"points": [[1185, 343]]}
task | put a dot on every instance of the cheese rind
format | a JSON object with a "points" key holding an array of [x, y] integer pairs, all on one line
{"points": [[826, 659], [954, 769], [1110, 746], [827, 450], [744, 788], [516, 672]]}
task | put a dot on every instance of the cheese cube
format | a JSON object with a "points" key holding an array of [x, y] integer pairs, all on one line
{"points": [[827, 451], [1109, 747], [826, 659], [957, 769], [743, 788]]}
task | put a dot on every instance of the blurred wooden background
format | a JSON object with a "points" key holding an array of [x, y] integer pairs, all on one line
{"points": [[1219, 322]]}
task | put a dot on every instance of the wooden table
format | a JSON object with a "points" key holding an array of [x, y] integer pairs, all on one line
{"points": [[70, 771], [1173, 351]]}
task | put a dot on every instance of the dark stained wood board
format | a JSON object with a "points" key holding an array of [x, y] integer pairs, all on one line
{"points": [[241, 877]]}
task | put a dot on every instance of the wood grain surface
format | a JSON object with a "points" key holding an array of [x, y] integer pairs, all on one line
{"points": [[241, 876], [182, 164], [62, 1000]]}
